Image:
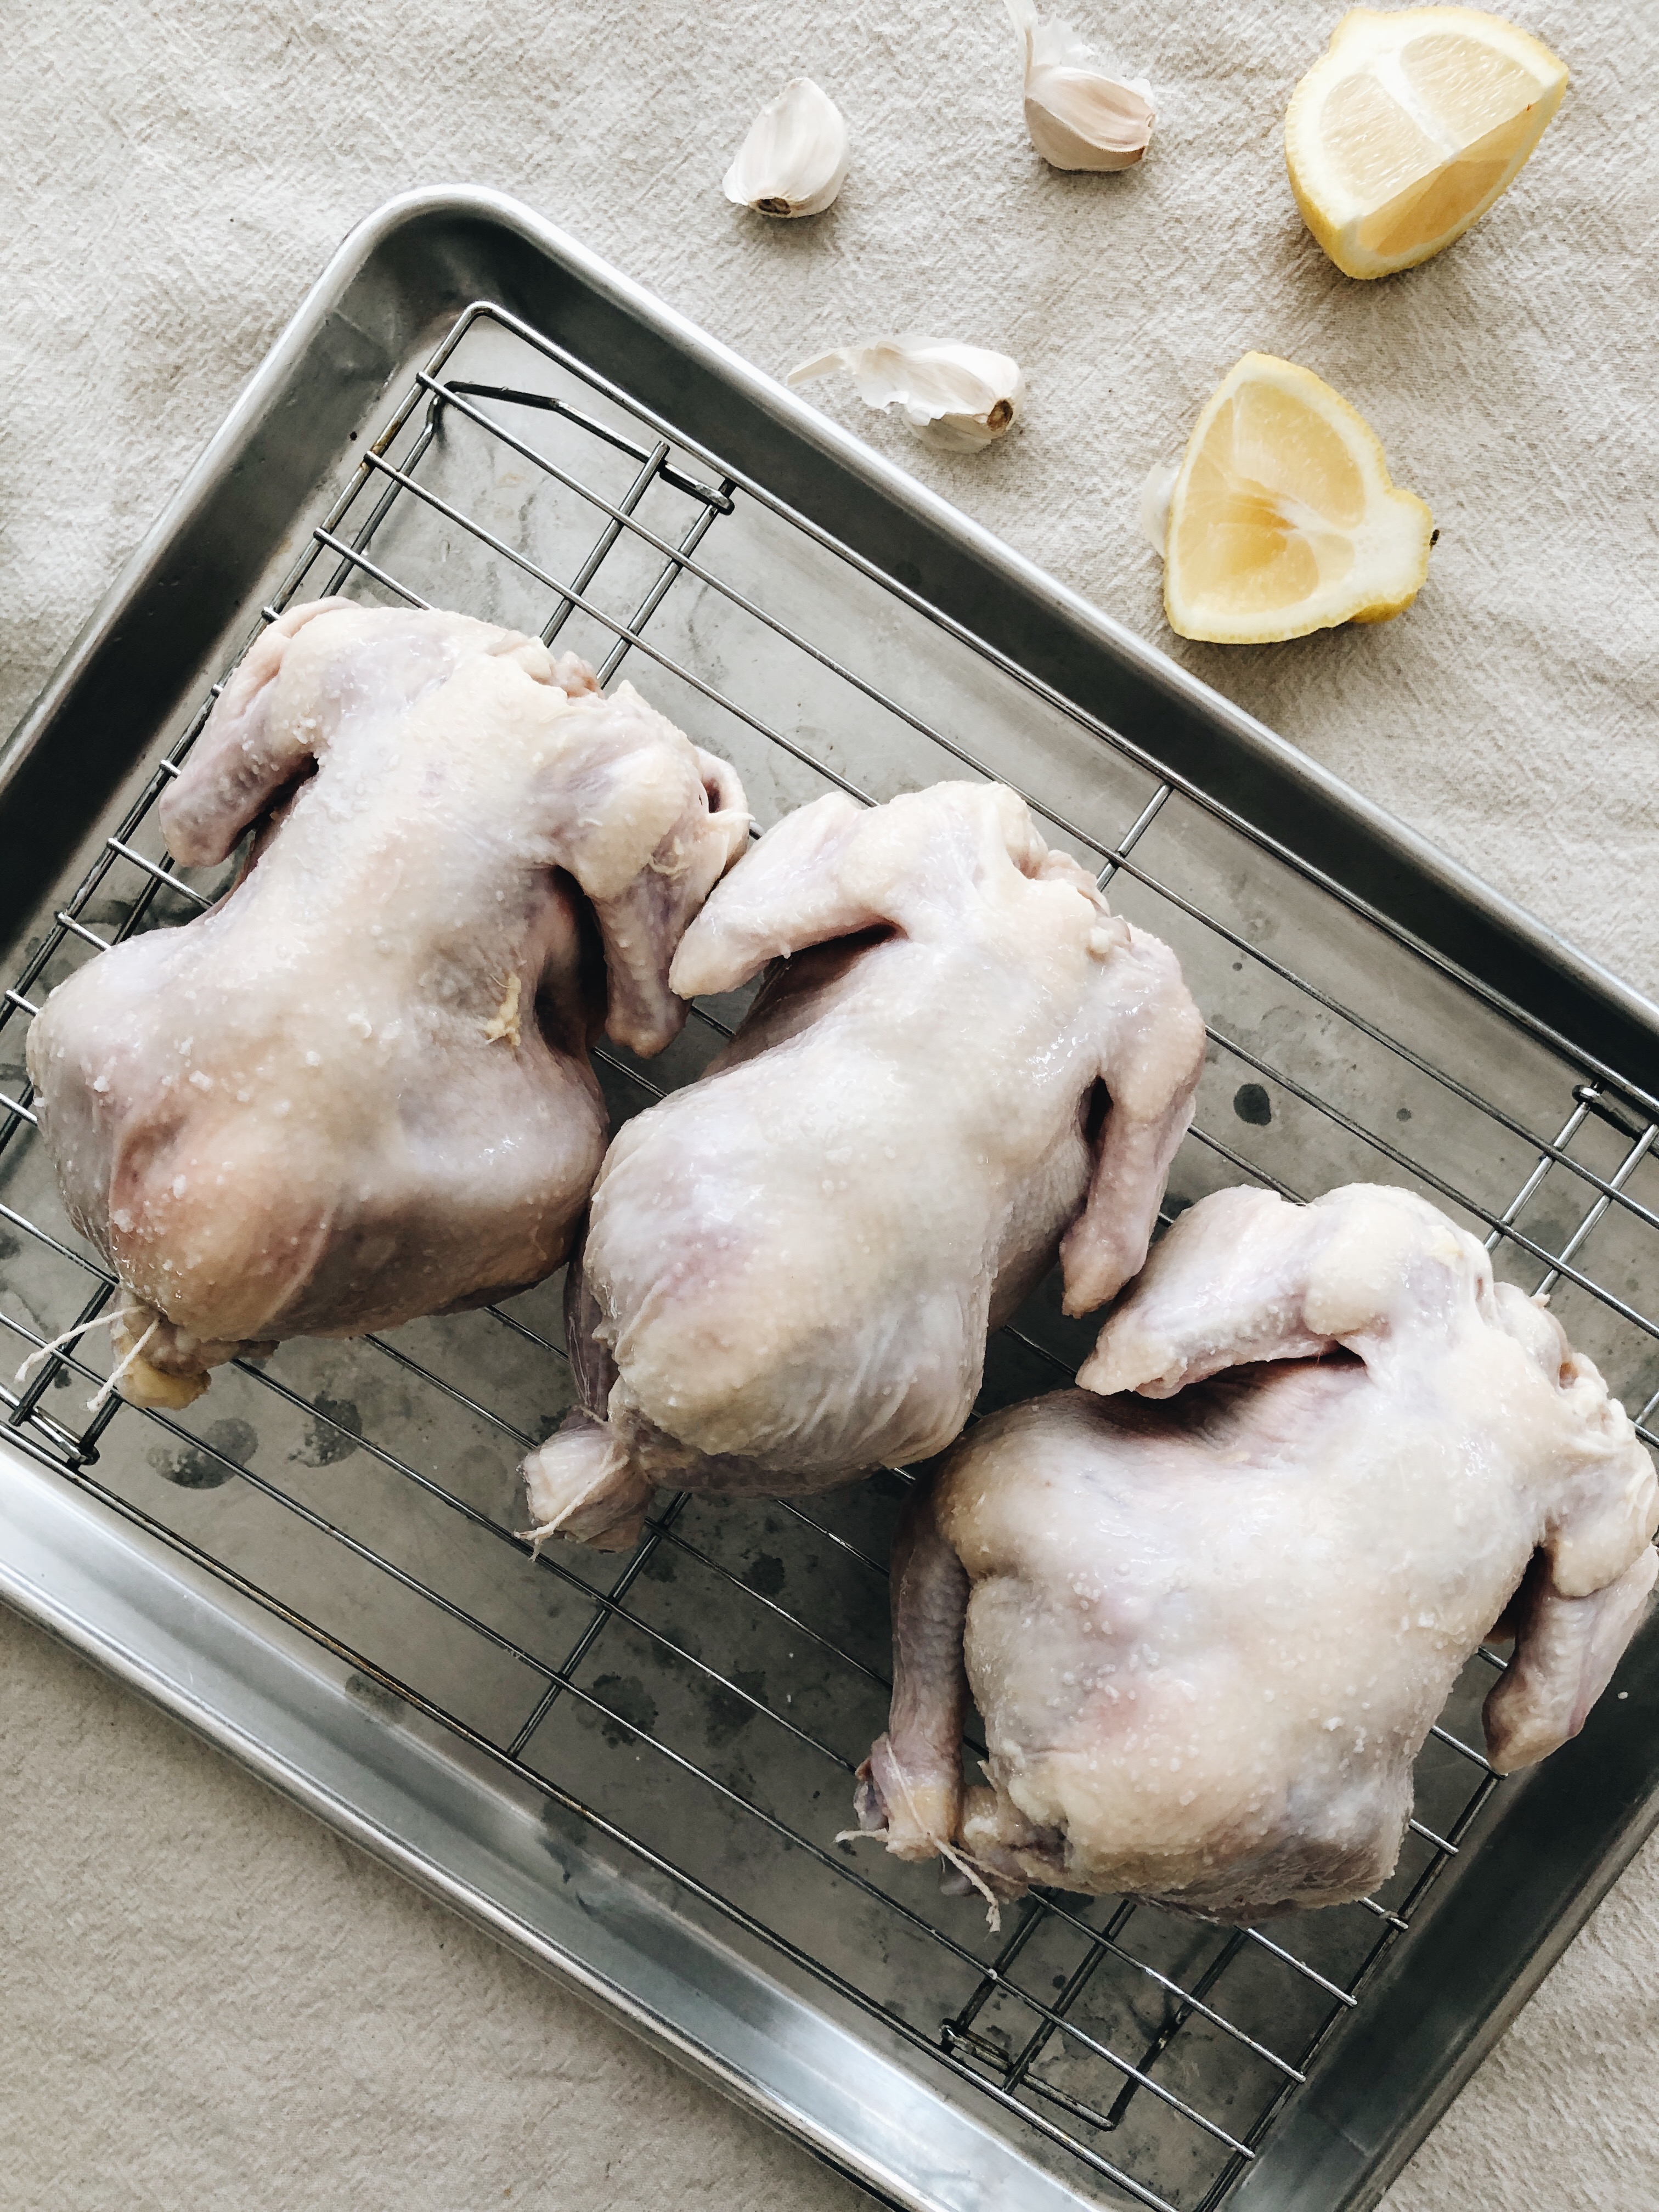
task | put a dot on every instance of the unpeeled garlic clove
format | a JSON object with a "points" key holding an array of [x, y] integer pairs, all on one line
{"points": [[958, 397], [1080, 117], [794, 160]]}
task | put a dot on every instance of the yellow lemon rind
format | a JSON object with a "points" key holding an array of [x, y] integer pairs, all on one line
{"points": [[1334, 236]]}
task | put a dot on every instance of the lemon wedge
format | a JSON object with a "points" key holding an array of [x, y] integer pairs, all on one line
{"points": [[1408, 128], [1283, 517]]}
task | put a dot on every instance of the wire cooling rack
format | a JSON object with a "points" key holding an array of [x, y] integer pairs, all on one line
{"points": [[701, 1706]]}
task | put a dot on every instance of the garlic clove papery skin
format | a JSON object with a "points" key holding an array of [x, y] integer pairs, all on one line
{"points": [[1079, 116], [793, 162], [956, 398], [1156, 495]]}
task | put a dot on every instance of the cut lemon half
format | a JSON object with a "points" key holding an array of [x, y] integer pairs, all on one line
{"points": [[1410, 126], [1284, 518]]}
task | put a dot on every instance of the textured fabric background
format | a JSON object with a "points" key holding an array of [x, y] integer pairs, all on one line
{"points": [[207, 2000]]}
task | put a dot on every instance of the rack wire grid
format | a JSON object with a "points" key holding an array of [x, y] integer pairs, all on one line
{"points": [[698, 1708]]}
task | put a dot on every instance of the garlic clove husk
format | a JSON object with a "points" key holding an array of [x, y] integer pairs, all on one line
{"points": [[1079, 115], [1155, 495], [794, 160], [958, 398]]}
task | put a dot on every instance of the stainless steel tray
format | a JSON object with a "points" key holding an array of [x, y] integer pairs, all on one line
{"points": [[634, 1770]]}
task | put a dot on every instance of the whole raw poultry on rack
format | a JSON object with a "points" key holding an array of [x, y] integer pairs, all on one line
{"points": [[358, 1091]]}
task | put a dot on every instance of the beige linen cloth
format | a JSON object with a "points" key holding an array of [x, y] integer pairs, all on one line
{"points": [[206, 2000]]}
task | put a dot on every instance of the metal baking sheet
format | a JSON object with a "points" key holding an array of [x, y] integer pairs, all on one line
{"points": [[634, 1770]]}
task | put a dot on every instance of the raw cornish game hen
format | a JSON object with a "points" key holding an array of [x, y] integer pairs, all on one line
{"points": [[358, 1088], [961, 1063], [1208, 1635]]}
